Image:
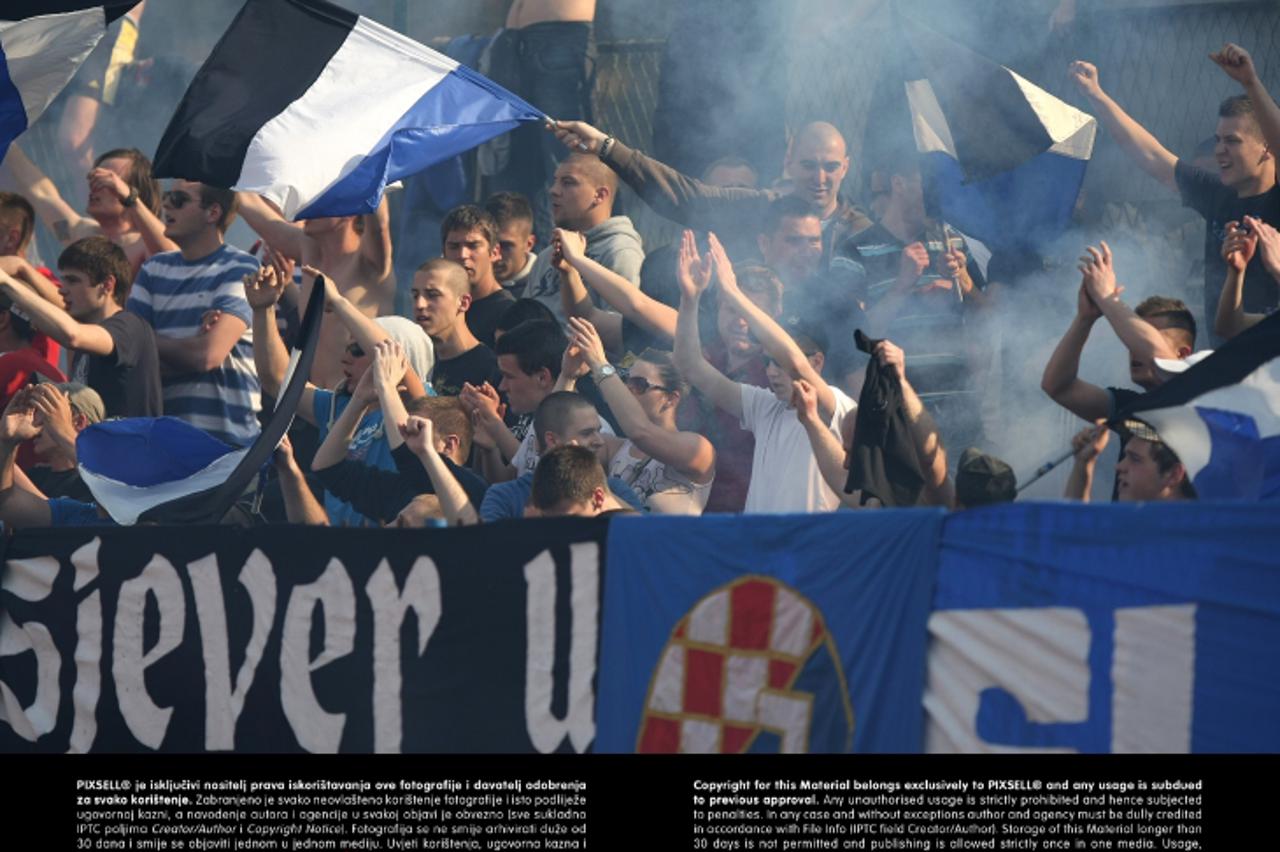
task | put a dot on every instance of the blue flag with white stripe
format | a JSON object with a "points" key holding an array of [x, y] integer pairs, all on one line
{"points": [[1222, 417], [318, 109], [1005, 159], [42, 44]]}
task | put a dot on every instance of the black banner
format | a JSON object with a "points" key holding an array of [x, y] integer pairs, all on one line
{"points": [[182, 639]]}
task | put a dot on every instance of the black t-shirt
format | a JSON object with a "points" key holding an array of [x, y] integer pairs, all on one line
{"points": [[1121, 398], [477, 366], [381, 494], [1203, 192], [60, 483], [128, 380], [483, 315]]}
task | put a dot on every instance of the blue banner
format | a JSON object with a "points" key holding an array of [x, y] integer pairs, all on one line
{"points": [[1107, 629], [759, 634]]}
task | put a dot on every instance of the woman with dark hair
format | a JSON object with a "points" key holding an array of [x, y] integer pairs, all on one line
{"points": [[670, 470]]}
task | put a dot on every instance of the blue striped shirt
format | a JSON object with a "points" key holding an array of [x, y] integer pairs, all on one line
{"points": [[172, 295]]}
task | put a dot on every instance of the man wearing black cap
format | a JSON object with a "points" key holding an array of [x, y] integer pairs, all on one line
{"points": [[983, 480]]}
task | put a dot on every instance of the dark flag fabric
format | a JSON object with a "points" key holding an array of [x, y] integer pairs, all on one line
{"points": [[318, 109], [163, 470], [1222, 417], [42, 44], [1003, 158]]}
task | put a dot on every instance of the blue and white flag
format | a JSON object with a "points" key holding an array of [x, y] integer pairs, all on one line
{"points": [[42, 44], [1222, 417], [318, 109], [1004, 158], [164, 470]]}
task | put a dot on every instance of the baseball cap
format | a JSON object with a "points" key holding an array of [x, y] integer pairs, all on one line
{"points": [[984, 480]]}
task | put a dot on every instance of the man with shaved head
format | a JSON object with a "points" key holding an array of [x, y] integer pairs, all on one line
{"points": [[440, 297], [816, 164], [582, 196]]}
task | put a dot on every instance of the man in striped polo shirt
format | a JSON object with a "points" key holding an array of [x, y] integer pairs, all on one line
{"points": [[194, 299]]}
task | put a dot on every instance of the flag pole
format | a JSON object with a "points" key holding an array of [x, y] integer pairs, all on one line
{"points": [[1044, 469]]}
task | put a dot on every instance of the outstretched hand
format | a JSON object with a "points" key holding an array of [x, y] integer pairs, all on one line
{"points": [[1099, 274], [587, 339], [578, 135], [693, 272]]}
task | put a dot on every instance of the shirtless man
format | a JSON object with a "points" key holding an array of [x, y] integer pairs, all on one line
{"points": [[358, 259], [124, 203]]}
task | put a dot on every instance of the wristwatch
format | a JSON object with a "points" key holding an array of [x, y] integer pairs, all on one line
{"points": [[603, 372], [130, 199]]}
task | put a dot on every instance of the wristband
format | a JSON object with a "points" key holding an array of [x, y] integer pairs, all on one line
{"points": [[130, 199], [606, 146]]}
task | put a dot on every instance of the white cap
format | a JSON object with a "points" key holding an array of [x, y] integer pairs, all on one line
{"points": [[1181, 365]]}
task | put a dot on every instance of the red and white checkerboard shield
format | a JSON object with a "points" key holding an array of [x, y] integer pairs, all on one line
{"points": [[727, 673]]}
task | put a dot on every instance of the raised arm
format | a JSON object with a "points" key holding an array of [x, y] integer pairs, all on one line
{"points": [[1143, 148], [687, 452], [262, 290], [827, 450], [140, 216], [575, 301], [694, 274], [52, 320], [335, 445], [1061, 380], [623, 296], [286, 236], [777, 344], [367, 333], [671, 194], [1236, 62], [389, 369], [1238, 250], [58, 216], [1088, 444], [18, 507], [300, 504], [487, 412], [1143, 340], [419, 435], [931, 454], [375, 240]]}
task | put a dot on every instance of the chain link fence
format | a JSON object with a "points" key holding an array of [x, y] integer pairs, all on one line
{"points": [[1152, 60]]}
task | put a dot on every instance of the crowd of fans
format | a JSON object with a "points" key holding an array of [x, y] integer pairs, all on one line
{"points": [[597, 374]]}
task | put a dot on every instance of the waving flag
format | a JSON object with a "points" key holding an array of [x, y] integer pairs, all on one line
{"points": [[41, 46], [318, 109], [1005, 159], [1222, 417], [164, 470]]}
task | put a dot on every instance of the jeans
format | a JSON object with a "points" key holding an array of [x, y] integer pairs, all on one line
{"points": [[552, 66]]}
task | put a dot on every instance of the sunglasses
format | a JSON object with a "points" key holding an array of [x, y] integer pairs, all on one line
{"points": [[640, 385], [177, 199], [355, 350]]}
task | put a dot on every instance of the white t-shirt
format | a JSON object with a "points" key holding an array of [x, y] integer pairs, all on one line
{"points": [[784, 473]]}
